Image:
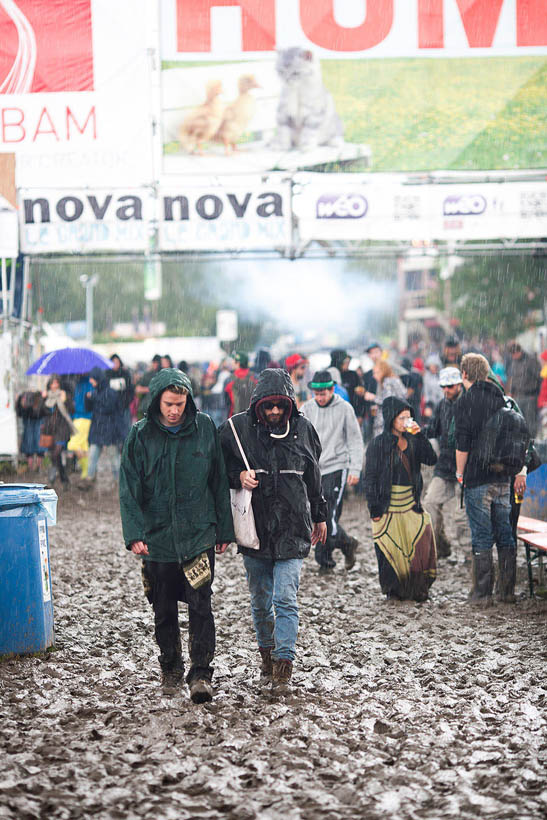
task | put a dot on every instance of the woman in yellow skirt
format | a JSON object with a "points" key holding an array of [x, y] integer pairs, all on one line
{"points": [[401, 529], [78, 444]]}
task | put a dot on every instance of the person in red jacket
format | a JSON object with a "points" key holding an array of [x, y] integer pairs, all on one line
{"points": [[239, 390]]}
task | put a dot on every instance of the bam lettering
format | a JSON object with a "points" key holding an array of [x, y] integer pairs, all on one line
{"points": [[17, 125]]}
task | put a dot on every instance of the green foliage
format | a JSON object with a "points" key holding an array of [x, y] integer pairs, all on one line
{"points": [[498, 296], [192, 292], [424, 114]]}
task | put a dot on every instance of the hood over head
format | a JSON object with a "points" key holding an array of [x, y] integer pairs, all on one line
{"points": [[98, 374], [391, 407], [166, 378], [273, 382], [337, 357]]}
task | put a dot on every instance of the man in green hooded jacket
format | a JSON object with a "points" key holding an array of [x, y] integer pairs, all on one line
{"points": [[175, 509]]}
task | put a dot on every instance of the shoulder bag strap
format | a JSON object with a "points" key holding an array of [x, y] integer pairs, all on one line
{"points": [[241, 450]]}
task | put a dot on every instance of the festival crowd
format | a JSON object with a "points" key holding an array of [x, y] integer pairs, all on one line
{"points": [[262, 453]]}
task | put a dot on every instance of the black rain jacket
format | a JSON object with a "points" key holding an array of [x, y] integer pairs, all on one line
{"points": [[473, 410], [380, 459], [288, 499], [440, 428]]}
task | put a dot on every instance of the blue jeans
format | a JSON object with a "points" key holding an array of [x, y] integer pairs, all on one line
{"points": [[274, 588], [488, 509], [95, 452]]}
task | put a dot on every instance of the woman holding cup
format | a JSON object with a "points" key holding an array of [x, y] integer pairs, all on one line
{"points": [[401, 529]]}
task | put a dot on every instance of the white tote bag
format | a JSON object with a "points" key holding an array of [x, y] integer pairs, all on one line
{"points": [[242, 508]]}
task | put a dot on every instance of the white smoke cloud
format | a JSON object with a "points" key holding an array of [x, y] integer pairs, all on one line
{"points": [[326, 296]]}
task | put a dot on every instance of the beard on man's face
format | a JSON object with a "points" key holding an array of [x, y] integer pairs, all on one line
{"points": [[275, 420]]}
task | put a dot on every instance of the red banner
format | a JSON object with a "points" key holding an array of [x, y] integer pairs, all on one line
{"points": [[45, 45]]}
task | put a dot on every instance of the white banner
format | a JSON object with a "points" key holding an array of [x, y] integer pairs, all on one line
{"points": [[75, 91], [84, 221], [332, 207], [250, 214], [339, 29]]}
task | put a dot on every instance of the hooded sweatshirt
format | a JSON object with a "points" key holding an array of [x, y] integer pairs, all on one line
{"points": [[288, 499], [339, 434], [174, 492], [107, 423], [380, 460]]}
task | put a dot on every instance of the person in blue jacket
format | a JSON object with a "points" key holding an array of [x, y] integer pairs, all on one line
{"points": [[108, 427]]}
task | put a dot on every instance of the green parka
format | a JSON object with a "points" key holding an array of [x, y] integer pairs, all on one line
{"points": [[174, 492]]}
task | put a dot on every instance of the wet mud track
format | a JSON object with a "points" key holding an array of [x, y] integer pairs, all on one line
{"points": [[404, 710]]}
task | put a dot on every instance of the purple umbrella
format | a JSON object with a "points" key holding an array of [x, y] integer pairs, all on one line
{"points": [[69, 360]]}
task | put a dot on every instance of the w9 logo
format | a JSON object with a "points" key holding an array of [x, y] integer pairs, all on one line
{"points": [[46, 45]]}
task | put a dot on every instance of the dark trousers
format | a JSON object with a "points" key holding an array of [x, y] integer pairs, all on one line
{"points": [[166, 585], [333, 490]]}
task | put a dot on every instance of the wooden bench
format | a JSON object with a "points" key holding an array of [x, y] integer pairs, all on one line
{"points": [[536, 547], [531, 524]]}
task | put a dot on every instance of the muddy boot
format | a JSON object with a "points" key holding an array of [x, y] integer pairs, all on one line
{"points": [[443, 544], [282, 671], [483, 579], [266, 667], [201, 690], [349, 552], [507, 563], [172, 676]]}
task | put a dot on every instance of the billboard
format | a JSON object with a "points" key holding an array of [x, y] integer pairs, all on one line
{"points": [[250, 213], [361, 207], [394, 85], [74, 220], [75, 104]]}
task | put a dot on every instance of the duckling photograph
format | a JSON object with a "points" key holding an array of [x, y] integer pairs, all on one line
{"points": [[201, 125], [238, 114]]}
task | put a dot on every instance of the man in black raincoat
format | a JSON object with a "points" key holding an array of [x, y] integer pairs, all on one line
{"points": [[175, 506], [282, 449]]}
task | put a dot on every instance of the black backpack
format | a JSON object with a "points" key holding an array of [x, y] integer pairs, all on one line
{"points": [[503, 442]]}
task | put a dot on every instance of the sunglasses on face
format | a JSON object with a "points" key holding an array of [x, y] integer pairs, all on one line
{"points": [[269, 405]]}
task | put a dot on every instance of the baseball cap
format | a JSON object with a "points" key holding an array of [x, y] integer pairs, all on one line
{"points": [[449, 376], [372, 344], [293, 361]]}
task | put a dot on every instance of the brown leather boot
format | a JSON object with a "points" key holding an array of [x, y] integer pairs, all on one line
{"points": [[266, 667], [282, 671]]}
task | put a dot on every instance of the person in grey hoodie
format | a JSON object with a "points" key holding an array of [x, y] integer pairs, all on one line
{"points": [[340, 463]]}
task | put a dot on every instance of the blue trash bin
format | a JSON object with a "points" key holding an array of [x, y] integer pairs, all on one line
{"points": [[26, 602]]}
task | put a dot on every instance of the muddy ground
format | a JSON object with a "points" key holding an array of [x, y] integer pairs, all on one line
{"points": [[398, 710]]}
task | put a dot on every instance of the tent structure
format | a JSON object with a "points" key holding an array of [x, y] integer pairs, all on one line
{"points": [[9, 249], [9, 230]]}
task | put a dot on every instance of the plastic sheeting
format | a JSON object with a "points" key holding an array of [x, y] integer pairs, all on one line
{"points": [[27, 500]]}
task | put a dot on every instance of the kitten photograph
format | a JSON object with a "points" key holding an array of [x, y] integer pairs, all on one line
{"points": [[306, 116]]}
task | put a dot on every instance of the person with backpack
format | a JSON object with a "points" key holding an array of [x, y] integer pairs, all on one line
{"points": [[240, 389], [489, 446]]}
